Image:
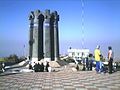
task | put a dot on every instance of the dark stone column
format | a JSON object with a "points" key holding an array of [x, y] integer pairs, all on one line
{"points": [[35, 36], [56, 36], [40, 37], [31, 19], [52, 36], [47, 44]]}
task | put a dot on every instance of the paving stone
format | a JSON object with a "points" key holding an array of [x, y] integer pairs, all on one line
{"points": [[81, 89], [113, 87], [63, 80], [58, 88], [104, 89]]}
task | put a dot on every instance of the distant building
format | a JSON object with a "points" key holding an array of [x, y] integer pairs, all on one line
{"points": [[78, 53], [43, 35]]}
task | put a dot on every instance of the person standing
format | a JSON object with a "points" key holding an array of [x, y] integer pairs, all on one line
{"points": [[42, 67], [47, 66], [87, 64], [110, 59], [36, 67], [39, 66], [97, 54], [90, 61]]}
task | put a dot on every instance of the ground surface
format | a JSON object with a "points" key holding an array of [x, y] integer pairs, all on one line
{"points": [[66, 79]]}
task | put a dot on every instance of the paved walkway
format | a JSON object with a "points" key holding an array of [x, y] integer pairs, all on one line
{"points": [[62, 80]]}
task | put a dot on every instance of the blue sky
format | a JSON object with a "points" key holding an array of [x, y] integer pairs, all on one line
{"points": [[101, 24]]}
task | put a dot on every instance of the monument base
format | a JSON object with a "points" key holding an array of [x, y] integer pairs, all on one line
{"points": [[47, 59], [33, 61], [56, 59]]}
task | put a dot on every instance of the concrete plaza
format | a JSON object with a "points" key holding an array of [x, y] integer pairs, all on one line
{"points": [[65, 79]]}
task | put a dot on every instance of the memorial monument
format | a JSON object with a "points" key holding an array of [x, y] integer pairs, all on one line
{"points": [[43, 36]]}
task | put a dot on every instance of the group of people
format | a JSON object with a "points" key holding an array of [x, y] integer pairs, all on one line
{"points": [[89, 62], [97, 58], [40, 67], [99, 64]]}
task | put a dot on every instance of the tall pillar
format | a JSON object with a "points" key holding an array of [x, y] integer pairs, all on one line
{"points": [[46, 34], [56, 36], [40, 37], [31, 25], [52, 36], [35, 36]]}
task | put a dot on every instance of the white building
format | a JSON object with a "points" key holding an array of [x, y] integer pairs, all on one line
{"points": [[78, 54]]}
